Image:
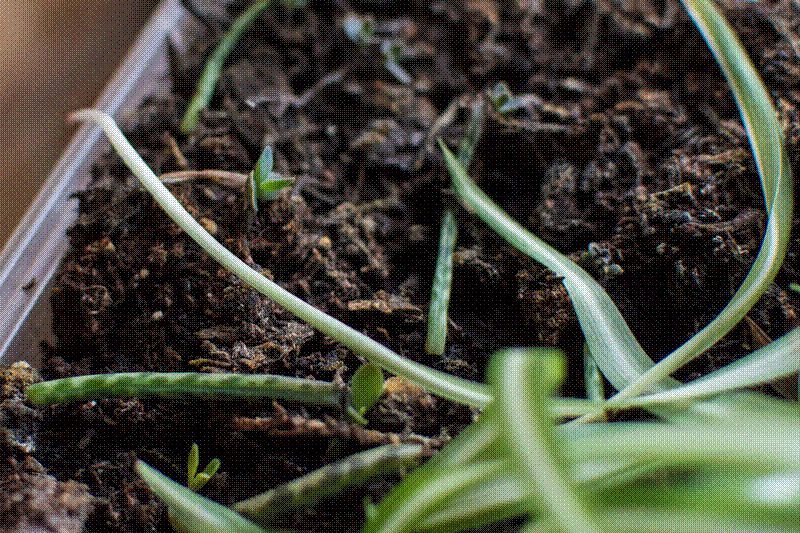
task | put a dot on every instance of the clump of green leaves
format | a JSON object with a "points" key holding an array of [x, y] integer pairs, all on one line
{"points": [[197, 480]]}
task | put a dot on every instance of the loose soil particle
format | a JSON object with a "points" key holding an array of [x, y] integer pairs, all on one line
{"points": [[627, 152]]}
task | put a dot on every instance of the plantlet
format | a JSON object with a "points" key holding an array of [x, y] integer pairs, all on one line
{"points": [[192, 512], [263, 185], [207, 82], [194, 481], [443, 276], [213, 69], [504, 100]]}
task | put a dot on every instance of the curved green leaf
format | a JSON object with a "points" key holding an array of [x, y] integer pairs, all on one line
{"points": [[615, 349], [766, 140]]}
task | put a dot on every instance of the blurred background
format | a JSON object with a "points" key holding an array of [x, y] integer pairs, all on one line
{"points": [[55, 56]]}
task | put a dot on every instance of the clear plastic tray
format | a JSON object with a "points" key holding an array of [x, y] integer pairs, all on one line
{"points": [[34, 251]]}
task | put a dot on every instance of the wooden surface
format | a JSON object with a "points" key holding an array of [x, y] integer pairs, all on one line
{"points": [[55, 56]]}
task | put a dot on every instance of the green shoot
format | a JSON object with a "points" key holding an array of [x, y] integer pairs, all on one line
{"points": [[213, 69], [522, 381], [192, 512], [194, 480], [263, 184], [329, 480], [440, 290], [179, 385]]}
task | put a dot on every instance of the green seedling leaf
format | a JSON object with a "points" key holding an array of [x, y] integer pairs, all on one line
{"points": [[199, 480], [192, 463], [181, 385], [500, 94], [263, 168], [192, 512], [441, 287], [443, 275], [264, 184], [775, 360], [366, 386], [268, 189]]}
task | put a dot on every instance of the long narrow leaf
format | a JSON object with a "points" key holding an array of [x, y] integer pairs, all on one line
{"points": [[443, 277], [617, 352], [208, 80], [441, 383], [177, 385], [766, 140], [329, 480], [775, 360], [440, 290], [522, 381], [432, 495]]}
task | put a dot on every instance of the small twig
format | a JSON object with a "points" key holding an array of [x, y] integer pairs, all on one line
{"points": [[223, 177]]}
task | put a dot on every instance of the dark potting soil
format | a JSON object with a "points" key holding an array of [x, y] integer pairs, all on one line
{"points": [[625, 152]]}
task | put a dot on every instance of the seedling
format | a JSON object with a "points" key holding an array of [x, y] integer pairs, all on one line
{"points": [[264, 185], [504, 100], [213, 69], [207, 82], [194, 481], [361, 30], [261, 184], [443, 276]]}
